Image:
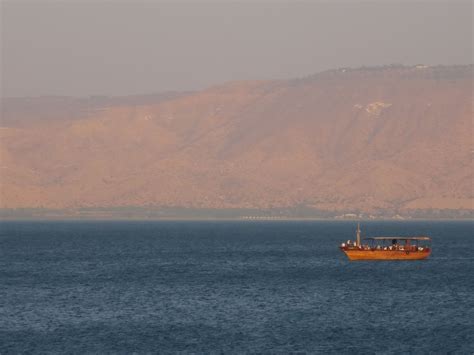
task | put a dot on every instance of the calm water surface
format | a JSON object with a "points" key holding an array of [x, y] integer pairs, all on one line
{"points": [[230, 287]]}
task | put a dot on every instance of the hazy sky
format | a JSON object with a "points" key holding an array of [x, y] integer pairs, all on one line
{"points": [[68, 47]]}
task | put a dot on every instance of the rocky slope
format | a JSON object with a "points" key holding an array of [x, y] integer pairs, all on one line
{"points": [[368, 139]]}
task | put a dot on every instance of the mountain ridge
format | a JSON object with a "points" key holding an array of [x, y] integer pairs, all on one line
{"points": [[368, 139]]}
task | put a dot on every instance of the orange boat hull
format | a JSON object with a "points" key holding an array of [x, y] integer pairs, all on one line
{"points": [[362, 254]]}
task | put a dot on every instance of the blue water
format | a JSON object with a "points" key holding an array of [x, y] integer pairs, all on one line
{"points": [[230, 287]]}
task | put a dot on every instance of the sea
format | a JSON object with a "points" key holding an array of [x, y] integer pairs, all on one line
{"points": [[231, 287]]}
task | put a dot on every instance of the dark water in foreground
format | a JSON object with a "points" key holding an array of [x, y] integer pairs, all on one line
{"points": [[230, 287]]}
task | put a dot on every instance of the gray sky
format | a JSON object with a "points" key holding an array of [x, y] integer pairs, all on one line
{"points": [[81, 48]]}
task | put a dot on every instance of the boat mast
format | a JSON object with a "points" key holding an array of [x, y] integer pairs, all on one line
{"points": [[358, 234]]}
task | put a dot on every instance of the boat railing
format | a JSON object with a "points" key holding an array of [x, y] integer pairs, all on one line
{"points": [[396, 247]]}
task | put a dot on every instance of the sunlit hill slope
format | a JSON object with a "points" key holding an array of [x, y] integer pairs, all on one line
{"points": [[370, 139]]}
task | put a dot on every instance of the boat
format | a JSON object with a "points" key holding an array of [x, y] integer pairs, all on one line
{"points": [[387, 248]]}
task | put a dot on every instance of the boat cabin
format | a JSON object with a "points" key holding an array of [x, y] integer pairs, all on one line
{"points": [[417, 243]]}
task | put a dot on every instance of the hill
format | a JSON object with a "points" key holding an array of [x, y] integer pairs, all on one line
{"points": [[365, 140]]}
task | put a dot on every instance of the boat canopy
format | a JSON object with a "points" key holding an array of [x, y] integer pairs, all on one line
{"points": [[421, 237]]}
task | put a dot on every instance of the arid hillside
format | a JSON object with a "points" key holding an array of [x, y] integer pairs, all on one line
{"points": [[369, 139]]}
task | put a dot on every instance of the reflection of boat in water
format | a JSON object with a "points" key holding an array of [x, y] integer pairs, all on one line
{"points": [[387, 248]]}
